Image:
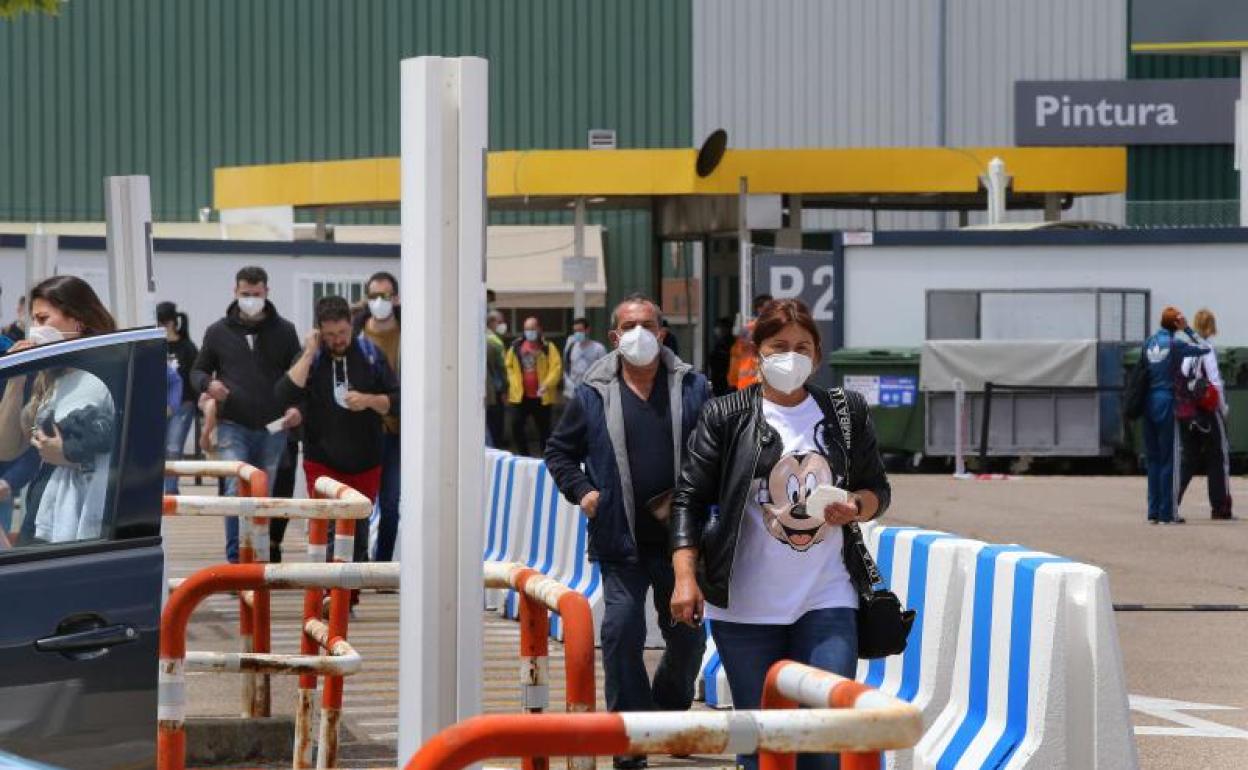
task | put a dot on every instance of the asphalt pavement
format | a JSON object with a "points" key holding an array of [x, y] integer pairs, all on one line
{"points": [[1187, 671]]}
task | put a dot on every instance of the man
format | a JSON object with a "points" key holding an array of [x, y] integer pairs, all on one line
{"points": [[380, 323], [628, 423], [495, 377], [343, 387], [581, 353], [243, 356], [534, 371], [743, 363], [720, 356], [16, 331]]}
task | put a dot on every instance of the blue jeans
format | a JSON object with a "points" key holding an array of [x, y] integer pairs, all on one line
{"points": [[257, 447], [178, 428], [388, 497], [826, 639], [1162, 451], [628, 686]]}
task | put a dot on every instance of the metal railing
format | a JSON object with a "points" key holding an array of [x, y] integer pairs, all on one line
{"points": [[342, 658], [897, 724], [253, 611], [539, 596]]}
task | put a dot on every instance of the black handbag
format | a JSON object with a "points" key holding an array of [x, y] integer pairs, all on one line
{"points": [[883, 624]]}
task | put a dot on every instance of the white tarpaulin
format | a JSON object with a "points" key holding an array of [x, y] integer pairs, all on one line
{"points": [[1060, 363]]}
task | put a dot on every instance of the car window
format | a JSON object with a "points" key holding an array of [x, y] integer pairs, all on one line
{"points": [[60, 437]]}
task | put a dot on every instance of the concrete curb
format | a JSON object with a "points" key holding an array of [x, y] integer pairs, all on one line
{"points": [[226, 740]]}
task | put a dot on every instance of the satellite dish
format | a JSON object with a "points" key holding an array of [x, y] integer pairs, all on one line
{"points": [[712, 152]]}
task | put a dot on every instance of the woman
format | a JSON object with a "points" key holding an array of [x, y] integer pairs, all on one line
{"points": [[1164, 353], [1204, 436], [775, 580], [182, 353], [67, 415]]}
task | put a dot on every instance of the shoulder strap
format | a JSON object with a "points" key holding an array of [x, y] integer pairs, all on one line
{"points": [[840, 405]]}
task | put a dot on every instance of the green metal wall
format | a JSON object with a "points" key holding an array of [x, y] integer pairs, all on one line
{"points": [[1182, 184], [175, 88]]}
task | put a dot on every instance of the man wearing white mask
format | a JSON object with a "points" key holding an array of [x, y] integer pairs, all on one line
{"points": [[243, 356], [381, 323], [616, 453]]}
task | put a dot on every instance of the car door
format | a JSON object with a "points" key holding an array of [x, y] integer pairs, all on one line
{"points": [[81, 563]]}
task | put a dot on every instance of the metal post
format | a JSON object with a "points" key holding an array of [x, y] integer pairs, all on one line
{"points": [[1241, 137], [986, 421], [746, 262], [578, 252], [697, 253], [443, 141], [40, 259], [131, 282], [959, 439], [1052, 207]]}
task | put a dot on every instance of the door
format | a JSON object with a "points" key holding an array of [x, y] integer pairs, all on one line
{"points": [[81, 563]]}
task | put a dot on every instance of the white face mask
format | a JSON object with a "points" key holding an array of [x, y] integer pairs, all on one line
{"points": [[42, 335], [639, 346], [381, 308], [251, 306], [786, 372], [501, 329]]}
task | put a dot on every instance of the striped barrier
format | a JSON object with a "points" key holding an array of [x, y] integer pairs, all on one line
{"points": [[1013, 659], [1039, 683]]}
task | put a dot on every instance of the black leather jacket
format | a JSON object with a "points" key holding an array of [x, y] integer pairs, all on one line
{"points": [[723, 460]]}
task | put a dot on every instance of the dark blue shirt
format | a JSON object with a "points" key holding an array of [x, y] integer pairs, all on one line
{"points": [[648, 436]]}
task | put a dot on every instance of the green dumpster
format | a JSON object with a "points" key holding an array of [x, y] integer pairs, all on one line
{"points": [[889, 378], [1233, 366]]}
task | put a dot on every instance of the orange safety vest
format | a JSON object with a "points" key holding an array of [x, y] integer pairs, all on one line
{"points": [[742, 364]]}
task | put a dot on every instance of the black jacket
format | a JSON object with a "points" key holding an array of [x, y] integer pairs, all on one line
{"points": [[731, 446], [249, 359], [185, 352], [334, 436]]}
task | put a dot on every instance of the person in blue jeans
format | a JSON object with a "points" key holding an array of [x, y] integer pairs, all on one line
{"points": [[1165, 352], [182, 355], [616, 453], [244, 356], [768, 570]]}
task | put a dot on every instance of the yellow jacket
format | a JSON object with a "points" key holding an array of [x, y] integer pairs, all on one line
{"points": [[549, 372]]}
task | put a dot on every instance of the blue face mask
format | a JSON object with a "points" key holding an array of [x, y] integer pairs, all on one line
{"points": [[530, 335], [578, 337]]}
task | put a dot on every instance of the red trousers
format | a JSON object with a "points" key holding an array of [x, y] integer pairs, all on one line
{"points": [[367, 483]]}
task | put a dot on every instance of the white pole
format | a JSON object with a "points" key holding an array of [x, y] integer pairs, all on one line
{"points": [[997, 182], [959, 439], [128, 215], [443, 138], [578, 252], [746, 263], [1241, 137], [40, 259]]}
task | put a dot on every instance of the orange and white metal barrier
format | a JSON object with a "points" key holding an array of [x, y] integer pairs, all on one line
{"points": [[171, 704], [898, 723], [253, 546], [540, 595], [786, 731]]}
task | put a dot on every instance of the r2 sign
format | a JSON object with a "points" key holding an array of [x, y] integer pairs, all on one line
{"points": [[814, 277]]}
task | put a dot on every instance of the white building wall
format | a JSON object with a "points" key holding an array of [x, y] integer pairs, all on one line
{"points": [[867, 73], [886, 286]]}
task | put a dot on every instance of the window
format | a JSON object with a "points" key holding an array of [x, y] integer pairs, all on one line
{"points": [[310, 288], [60, 439]]}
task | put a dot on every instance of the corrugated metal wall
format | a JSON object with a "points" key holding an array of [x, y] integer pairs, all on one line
{"points": [[867, 72], [175, 88], [1182, 184]]}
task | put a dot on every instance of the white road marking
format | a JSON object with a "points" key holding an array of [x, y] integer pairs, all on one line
{"points": [[1193, 727]]}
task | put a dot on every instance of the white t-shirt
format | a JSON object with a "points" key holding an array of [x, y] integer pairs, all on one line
{"points": [[788, 562]]}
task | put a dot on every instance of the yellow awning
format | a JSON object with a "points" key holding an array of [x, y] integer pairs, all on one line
{"points": [[537, 174]]}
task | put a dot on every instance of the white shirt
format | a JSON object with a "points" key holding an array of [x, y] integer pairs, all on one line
{"points": [[1209, 362], [787, 561]]}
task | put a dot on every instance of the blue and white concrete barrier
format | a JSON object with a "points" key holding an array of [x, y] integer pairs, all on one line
{"points": [[536, 527], [1038, 680]]}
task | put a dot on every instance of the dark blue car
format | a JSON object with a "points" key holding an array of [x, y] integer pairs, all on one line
{"points": [[81, 563]]}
